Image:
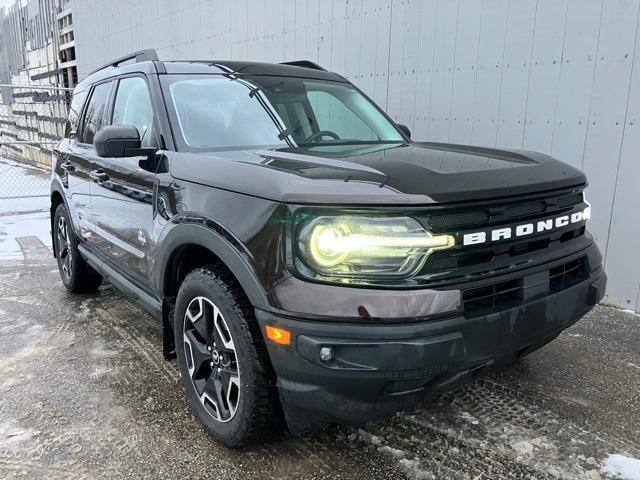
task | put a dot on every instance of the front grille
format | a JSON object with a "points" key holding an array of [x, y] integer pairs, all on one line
{"points": [[464, 263], [452, 220], [447, 260], [513, 293], [502, 212], [492, 298], [526, 209], [568, 275], [506, 211]]}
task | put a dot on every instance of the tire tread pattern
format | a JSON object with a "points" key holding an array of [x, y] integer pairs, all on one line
{"points": [[263, 416]]}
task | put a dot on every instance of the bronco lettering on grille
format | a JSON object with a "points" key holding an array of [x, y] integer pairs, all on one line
{"points": [[526, 229]]}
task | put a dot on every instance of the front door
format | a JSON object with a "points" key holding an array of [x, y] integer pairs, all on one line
{"points": [[122, 191], [82, 156]]}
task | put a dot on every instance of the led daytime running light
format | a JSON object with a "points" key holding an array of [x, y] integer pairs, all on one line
{"points": [[331, 245]]}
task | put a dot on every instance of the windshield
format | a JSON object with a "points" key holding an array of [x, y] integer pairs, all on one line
{"points": [[222, 112]]}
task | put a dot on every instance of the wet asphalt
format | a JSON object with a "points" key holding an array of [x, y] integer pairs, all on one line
{"points": [[85, 393]]}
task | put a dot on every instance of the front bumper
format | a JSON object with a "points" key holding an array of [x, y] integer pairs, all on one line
{"points": [[379, 368]]}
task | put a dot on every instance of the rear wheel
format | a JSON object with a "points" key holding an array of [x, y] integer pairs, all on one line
{"points": [[223, 362], [77, 275]]}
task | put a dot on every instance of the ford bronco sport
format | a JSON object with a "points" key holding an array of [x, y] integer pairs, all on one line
{"points": [[308, 260]]}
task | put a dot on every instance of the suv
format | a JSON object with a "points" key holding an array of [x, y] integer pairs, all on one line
{"points": [[308, 261]]}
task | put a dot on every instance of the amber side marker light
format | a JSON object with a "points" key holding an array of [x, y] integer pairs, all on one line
{"points": [[279, 335]]}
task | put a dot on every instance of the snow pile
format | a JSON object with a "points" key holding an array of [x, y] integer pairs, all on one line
{"points": [[621, 467]]}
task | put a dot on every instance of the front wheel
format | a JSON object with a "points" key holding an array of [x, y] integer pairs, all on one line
{"points": [[223, 362]]}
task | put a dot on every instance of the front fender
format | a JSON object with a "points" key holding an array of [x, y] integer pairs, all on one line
{"points": [[213, 240], [57, 190]]}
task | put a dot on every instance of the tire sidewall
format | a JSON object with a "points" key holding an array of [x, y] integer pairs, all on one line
{"points": [[70, 282], [199, 285]]}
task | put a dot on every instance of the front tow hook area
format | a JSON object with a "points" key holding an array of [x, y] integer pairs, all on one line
{"points": [[387, 356]]}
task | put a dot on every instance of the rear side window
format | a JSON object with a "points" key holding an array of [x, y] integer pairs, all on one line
{"points": [[73, 119], [94, 115]]}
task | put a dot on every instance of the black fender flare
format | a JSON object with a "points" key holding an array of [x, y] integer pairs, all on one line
{"points": [[226, 248], [56, 187]]}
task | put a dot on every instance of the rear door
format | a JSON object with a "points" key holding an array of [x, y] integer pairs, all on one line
{"points": [[122, 190]]}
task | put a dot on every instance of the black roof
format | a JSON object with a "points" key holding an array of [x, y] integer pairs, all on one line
{"points": [[143, 64], [238, 67]]}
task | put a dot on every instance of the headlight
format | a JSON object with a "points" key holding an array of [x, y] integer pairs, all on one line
{"points": [[354, 246]]}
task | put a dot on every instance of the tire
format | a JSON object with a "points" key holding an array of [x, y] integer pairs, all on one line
{"points": [[77, 275], [228, 380]]}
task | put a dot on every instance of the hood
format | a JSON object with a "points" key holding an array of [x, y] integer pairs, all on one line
{"points": [[411, 174]]}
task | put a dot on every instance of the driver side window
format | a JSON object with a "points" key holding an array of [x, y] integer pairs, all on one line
{"points": [[133, 107]]}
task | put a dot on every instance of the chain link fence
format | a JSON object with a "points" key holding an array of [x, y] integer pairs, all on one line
{"points": [[32, 122]]}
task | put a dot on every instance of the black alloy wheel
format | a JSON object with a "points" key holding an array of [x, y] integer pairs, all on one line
{"points": [[211, 359]]}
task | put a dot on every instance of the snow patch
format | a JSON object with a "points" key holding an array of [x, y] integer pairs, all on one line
{"points": [[412, 468], [469, 418], [369, 438], [11, 206], [621, 467], [22, 225], [22, 217], [526, 447], [393, 452], [11, 434]]}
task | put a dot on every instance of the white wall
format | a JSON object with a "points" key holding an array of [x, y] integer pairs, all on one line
{"points": [[556, 76]]}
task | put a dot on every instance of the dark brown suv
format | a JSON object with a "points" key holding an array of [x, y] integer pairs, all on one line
{"points": [[306, 258]]}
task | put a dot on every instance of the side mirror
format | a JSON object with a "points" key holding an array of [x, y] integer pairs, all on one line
{"points": [[116, 141], [404, 129]]}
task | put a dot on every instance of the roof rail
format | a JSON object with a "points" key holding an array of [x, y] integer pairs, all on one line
{"points": [[304, 64], [139, 56]]}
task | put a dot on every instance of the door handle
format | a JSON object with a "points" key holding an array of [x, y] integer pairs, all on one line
{"points": [[98, 175], [68, 167]]}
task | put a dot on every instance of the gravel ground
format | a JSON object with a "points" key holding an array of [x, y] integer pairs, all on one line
{"points": [[85, 393]]}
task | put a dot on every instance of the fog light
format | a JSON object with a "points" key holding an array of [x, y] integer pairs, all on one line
{"points": [[326, 354]]}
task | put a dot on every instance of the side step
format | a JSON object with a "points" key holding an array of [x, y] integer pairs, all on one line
{"points": [[143, 298]]}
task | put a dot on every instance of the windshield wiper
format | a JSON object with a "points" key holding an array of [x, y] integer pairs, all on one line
{"points": [[350, 142]]}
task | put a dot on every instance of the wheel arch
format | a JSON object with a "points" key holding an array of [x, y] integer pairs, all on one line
{"points": [[57, 198], [189, 246]]}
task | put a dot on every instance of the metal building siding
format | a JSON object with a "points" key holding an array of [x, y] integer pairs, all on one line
{"points": [[623, 259], [558, 76], [465, 75], [515, 80]]}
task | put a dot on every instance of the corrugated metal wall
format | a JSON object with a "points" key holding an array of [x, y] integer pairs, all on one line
{"points": [[558, 76]]}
